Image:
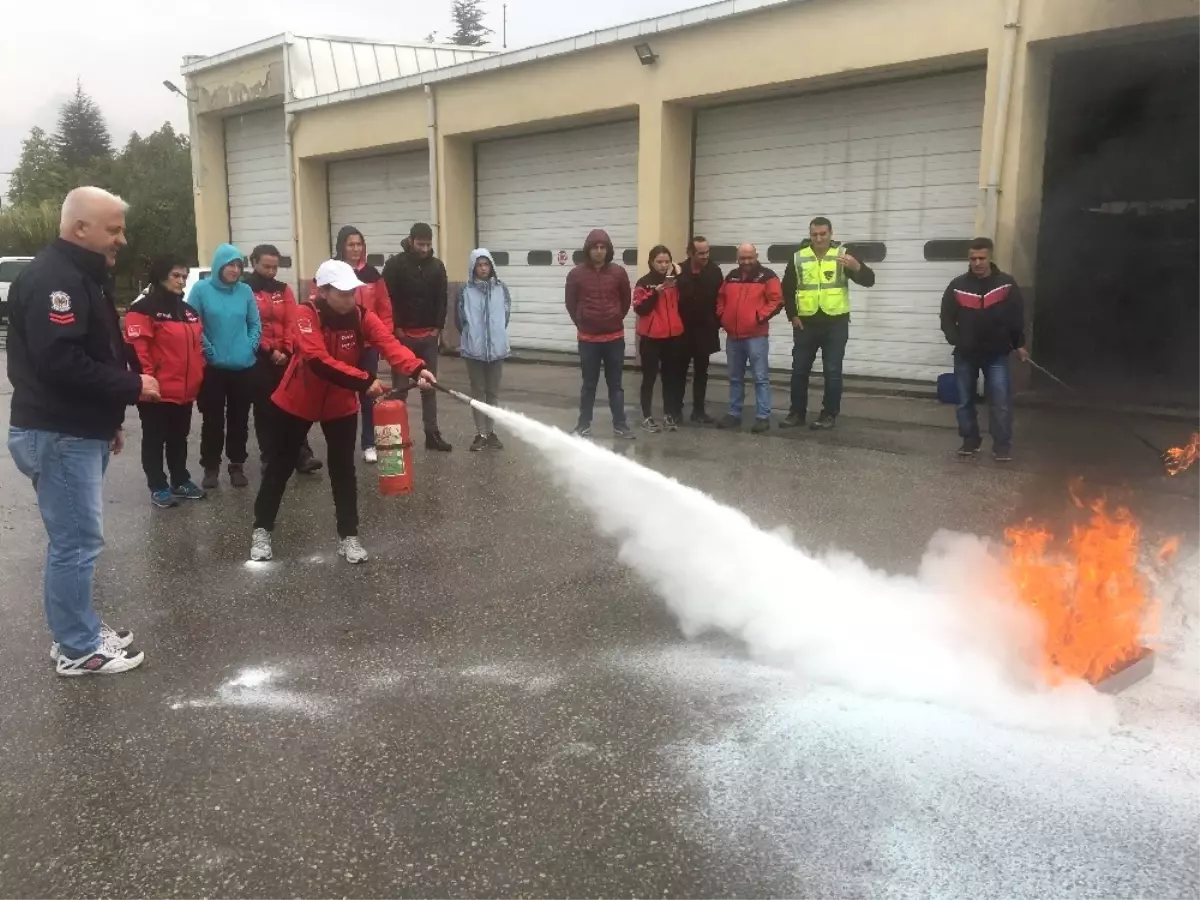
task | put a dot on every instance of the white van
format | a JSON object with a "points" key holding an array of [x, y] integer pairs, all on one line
{"points": [[10, 268]]}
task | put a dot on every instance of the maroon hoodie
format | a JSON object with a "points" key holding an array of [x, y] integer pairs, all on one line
{"points": [[598, 299]]}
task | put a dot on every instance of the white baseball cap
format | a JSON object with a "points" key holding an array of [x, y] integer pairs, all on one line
{"points": [[336, 274]]}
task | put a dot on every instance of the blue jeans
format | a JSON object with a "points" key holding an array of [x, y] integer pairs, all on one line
{"points": [[369, 363], [739, 351], [829, 334], [999, 399], [68, 475], [609, 355]]}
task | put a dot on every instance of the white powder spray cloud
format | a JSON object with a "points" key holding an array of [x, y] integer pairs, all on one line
{"points": [[949, 636]]}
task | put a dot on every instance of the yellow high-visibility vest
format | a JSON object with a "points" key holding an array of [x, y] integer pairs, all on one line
{"points": [[821, 283]]}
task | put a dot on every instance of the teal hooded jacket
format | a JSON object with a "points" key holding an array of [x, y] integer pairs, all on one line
{"points": [[229, 313]]}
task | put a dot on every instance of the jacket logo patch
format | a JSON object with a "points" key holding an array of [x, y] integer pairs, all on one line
{"points": [[305, 326], [349, 340], [60, 302], [134, 330], [828, 273]]}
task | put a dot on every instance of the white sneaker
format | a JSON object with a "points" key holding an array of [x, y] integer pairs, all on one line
{"points": [[118, 637], [107, 659], [370, 456], [353, 550], [260, 545]]}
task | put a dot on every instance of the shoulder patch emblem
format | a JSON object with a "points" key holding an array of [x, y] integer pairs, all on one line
{"points": [[305, 325], [60, 302], [133, 330]]}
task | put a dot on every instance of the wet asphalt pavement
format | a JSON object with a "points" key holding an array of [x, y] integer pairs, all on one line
{"points": [[494, 706]]}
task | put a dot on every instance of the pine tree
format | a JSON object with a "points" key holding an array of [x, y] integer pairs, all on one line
{"points": [[39, 175], [469, 30], [82, 139]]}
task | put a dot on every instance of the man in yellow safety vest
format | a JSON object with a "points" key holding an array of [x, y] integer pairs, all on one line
{"points": [[816, 291]]}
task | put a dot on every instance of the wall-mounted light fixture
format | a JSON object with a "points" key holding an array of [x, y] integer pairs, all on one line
{"points": [[645, 54], [170, 86]]}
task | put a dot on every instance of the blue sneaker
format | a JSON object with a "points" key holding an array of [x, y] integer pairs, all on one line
{"points": [[188, 491], [163, 499]]}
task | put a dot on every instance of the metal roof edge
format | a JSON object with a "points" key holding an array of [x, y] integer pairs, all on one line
{"points": [[211, 62], [688, 18]]}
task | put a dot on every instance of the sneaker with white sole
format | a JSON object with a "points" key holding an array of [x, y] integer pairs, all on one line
{"points": [[107, 659], [118, 637], [352, 550], [370, 456], [260, 545]]}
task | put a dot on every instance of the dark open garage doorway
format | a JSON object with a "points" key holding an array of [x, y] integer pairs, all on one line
{"points": [[1118, 285]]}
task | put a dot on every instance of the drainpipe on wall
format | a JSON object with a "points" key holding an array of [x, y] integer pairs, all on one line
{"points": [[431, 130], [289, 126], [991, 199]]}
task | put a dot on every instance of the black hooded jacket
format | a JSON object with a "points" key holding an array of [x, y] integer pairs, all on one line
{"points": [[418, 288]]}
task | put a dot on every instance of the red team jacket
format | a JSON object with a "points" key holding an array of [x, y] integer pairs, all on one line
{"points": [[277, 310], [748, 300], [657, 312], [165, 333], [323, 381]]}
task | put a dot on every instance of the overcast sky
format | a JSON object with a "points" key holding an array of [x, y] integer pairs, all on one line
{"points": [[122, 50]]}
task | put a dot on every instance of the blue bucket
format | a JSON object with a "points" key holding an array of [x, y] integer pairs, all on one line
{"points": [[947, 388]]}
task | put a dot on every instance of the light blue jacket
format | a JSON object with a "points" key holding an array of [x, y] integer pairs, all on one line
{"points": [[482, 314], [229, 313]]}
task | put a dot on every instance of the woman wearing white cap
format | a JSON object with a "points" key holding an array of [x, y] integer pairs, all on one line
{"points": [[322, 384]]}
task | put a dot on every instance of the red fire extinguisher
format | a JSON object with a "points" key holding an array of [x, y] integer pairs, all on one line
{"points": [[393, 444]]}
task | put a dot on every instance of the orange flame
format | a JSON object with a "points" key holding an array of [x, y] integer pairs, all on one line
{"points": [[1090, 597], [1180, 459]]}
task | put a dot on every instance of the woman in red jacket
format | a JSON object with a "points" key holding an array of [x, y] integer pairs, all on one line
{"points": [[322, 384], [660, 330], [164, 333], [351, 248], [277, 310]]}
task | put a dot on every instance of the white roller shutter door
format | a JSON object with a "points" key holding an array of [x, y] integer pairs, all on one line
{"points": [[537, 198], [256, 168], [896, 163], [381, 196]]}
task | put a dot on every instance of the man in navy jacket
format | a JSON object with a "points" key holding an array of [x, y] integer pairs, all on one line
{"points": [[71, 383]]}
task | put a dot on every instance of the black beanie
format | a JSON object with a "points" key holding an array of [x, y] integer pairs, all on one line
{"points": [[421, 232]]}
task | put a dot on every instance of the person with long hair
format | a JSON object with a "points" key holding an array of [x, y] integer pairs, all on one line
{"points": [[165, 334], [660, 333]]}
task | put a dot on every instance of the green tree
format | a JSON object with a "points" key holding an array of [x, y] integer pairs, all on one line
{"points": [[82, 138], [469, 30], [26, 229], [39, 175], [154, 175]]}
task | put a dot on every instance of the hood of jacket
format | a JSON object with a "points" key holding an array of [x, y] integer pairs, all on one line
{"points": [[476, 255], [598, 236], [225, 254]]}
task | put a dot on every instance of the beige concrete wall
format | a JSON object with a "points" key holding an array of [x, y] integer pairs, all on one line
{"points": [[796, 47], [209, 184], [664, 176], [255, 80], [390, 121]]}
